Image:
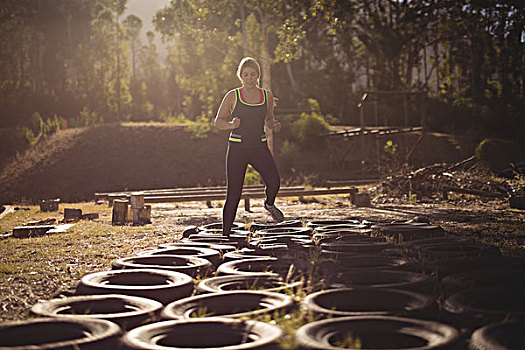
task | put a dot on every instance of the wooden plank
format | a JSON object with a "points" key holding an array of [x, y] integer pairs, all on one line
{"points": [[335, 183], [221, 191], [245, 195], [105, 195], [359, 131]]}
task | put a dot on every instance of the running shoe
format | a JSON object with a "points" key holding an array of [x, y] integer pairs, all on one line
{"points": [[276, 214]]}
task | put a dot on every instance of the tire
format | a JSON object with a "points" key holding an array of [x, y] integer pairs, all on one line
{"points": [[161, 285], [287, 223], [457, 250], [378, 332], [362, 262], [55, 333], [204, 333], [473, 308], [485, 278], [452, 266], [213, 256], [248, 253], [405, 280], [249, 267], [318, 223], [344, 237], [221, 248], [369, 301], [290, 241], [356, 247], [278, 231], [190, 265], [239, 282], [126, 311], [217, 226], [236, 304], [498, 336], [232, 239], [402, 232], [343, 227]]}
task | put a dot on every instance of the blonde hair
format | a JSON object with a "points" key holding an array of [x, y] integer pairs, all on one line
{"points": [[248, 62]]}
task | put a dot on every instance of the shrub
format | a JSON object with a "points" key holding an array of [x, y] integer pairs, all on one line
{"points": [[498, 154], [310, 127]]}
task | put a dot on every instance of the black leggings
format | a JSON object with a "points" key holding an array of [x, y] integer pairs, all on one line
{"points": [[237, 159]]}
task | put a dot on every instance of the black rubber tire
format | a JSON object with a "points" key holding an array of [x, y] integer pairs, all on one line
{"points": [[458, 250], [318, 223], [472, 308], [292, 242], [221, 248], [213, 256], [249, 253], [240, 282], [362, 262], [402, 232], [356, 247], [287, 223], [190, 265], [498, 336], [235, 304], [452, 266], [344, 237], [161, 285], [217, 226], [378, 332], [272, 266], [58, 333], [205, 333], [126, 311], [370, 301], [405, 280], [343, 227], [277, 231], [485, 278], [232, 239]]}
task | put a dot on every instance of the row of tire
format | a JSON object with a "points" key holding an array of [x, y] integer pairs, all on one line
{"points": [[365, 285]]}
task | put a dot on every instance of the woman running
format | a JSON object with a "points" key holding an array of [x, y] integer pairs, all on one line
{"points": [[250, 108]]}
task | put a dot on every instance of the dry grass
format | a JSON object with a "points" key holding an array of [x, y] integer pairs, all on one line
{"points": [[42, 267]]}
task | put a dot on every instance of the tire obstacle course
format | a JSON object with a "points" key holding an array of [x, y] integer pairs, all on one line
{"points": [[360, 284]]}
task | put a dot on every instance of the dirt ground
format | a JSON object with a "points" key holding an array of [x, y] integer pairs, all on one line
{"points": [[41, 268]]}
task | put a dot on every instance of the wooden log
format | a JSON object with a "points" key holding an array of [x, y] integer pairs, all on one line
{"points": [[120, 212], [137, 200], [72, 214], [143, 216], [31, 231], [49, 205], [470, 191]]}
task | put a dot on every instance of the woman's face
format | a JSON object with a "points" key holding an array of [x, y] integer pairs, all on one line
{"points": [[249, 77]]}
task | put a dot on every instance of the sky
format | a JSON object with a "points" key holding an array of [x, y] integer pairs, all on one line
{"points": [[145, 9]]}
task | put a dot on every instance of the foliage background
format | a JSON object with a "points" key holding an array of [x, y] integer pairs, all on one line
{"points": [[78, 63]]}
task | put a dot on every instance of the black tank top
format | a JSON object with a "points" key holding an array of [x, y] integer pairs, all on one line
{"points": [[252, 116]]}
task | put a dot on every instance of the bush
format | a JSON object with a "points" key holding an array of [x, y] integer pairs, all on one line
{"points": [[498, 154], [288, 153], [310, 127]]}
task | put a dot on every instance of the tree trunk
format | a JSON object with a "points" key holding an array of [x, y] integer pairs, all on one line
{"points": [[243, 32], [266, 74]]}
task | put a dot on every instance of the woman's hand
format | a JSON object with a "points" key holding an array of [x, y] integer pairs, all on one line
{"points": [[235, 123]]}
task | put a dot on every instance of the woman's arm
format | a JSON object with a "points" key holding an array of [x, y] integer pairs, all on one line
{"points": [[270, 120], [225, 109]]}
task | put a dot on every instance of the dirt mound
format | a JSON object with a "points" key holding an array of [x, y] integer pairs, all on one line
{"points": [[74, 164]]}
